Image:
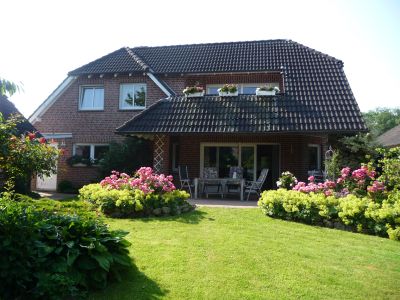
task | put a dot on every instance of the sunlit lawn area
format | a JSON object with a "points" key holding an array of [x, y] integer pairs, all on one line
{"points": [[222, 253]]}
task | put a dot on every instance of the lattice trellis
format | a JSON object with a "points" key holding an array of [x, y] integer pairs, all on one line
{"points": [[158, 160]]}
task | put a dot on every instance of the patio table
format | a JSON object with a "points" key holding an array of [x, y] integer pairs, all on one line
{"points": [[223, 181]]}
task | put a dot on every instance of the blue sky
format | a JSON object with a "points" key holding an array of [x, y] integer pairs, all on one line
{"points": [[43, 40]]}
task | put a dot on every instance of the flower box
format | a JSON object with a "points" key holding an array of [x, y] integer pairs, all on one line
{"points": [[265, 93], [228, 94], [192, 95]]}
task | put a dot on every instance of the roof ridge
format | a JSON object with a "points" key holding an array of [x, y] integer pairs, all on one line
{"points": [[137, 59], [210, 43]]}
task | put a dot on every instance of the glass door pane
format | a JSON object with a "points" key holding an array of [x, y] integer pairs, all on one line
{"points": [[210, 157], [248, 162], [228, 157]]}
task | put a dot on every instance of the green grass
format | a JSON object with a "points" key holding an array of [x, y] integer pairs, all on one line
{"points": [[221, 253]]}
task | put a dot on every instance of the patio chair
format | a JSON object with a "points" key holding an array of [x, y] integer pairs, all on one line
{"points": [[216, 186], [236, 173], [184, 179], [256, 186]]}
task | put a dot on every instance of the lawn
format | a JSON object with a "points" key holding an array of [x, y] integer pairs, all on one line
{"points": [[222, 253]]}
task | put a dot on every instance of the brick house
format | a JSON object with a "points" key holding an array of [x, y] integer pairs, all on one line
{"points": [[138, 91]]}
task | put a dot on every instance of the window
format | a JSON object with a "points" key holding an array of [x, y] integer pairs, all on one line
{"points": [[314, 157], [244, 88], [95, 152], [132, 96], [91, 98], [223, 157]]}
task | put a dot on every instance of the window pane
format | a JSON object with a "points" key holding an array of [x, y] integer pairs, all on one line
{"points": [[83, 150], [98, 101], [249, 90], [210, 157], [140, 95], [228, 157], [248, 162], [87, 98], [313, 158], [213, 90], [99, 151]]}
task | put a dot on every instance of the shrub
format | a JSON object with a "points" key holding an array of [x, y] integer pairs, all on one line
{"points": [[286, 181], [45, 255], [147, 193], [361, 214], [66, 186], [129, 155]]}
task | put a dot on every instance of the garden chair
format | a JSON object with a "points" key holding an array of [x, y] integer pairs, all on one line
{"points": [[256, 186], [212, 173], [184, 179]]}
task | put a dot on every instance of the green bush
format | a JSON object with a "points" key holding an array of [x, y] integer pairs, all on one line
{"points": [[50, 256], [66, 186], [352, 212], [133, 202]]}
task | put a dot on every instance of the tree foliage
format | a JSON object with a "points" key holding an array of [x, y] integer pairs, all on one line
{"points": [[23, 156], [8, 87], [381, 120], [127, 156]]}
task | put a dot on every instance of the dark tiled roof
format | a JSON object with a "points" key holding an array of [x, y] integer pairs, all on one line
{"points": [[250, 56], [246, 114], [390, 138], [7, 108], [120, 61]]}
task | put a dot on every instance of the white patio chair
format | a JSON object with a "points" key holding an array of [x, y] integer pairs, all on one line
{"points": [[256, 186], [184, 179]]}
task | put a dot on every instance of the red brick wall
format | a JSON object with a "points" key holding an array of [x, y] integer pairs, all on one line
{"points": [[91, 126]]}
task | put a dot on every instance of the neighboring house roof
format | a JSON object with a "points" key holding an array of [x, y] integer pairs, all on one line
{"points": [[246, 114], [7, 108], [252, 56], [390, 138]]}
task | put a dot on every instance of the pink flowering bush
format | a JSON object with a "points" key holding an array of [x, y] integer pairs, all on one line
{"points": [[360, 182], [144, 193]]}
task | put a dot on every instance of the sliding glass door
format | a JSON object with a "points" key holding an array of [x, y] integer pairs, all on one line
{"points": [[223, 157]]}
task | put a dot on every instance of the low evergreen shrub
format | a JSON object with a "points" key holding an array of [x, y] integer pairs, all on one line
{"points": [[56, 256], [361, 214]]}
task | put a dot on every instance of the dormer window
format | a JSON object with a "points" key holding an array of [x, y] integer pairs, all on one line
{"points": [[243, 88]]}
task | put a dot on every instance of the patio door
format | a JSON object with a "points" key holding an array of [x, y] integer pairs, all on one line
{"points": [[251, 157], [225, 156]]}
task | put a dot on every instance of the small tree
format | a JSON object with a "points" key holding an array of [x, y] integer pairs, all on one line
{"points": [[8, 87], [127, 156], [23, 156]]}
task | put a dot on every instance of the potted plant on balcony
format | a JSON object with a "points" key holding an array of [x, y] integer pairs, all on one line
{"points": [[193, 91], [228, 90], [267, 91]]}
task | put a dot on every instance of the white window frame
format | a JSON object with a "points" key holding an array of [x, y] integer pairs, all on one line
{"points": [[81, 94], [318, 154], [133, 107], [240, 86], [92, 146]]}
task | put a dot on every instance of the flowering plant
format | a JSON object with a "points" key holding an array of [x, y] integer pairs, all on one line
{"points": [[286, 181], [145, 180], [270, 89], [228, 88], [193, 89]]}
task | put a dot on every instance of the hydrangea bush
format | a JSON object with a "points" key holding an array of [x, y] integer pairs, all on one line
{"points": [[360, 200], [143, 194]]}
